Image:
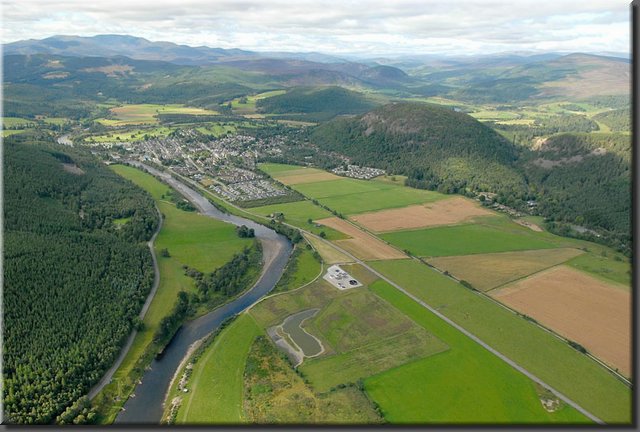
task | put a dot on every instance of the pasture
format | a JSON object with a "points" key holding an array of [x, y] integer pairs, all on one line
{"points": [[216, 383], [546, 356], [329, 254], [582, 308], [361, 244], [487, 271], [298, 214], [443, 212], [147, 113], [130, 135], [303, 267], [191, 239], [464, 240], [605, 266]]}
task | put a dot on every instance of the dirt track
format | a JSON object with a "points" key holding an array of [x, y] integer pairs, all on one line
{"points": [[593, 313], [443, 212]]}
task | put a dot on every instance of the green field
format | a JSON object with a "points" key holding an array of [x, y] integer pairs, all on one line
{"points": [[216, 383], [352, 196], [303, 267], [9, 132], [133, 135], [249, 107], [191, 239], [17, 122], [147, 113], [464, 240], [465, 384], [298, 214], [546, 356], [605, 267]]}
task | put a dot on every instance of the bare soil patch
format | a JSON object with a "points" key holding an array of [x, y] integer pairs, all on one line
{"points": [[528, 224], [72, 168], [362, 245], [307, 178], [593, 313], [442, 212]]}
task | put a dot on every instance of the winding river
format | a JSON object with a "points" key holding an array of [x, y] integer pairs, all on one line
{"points": [[146, 405]]}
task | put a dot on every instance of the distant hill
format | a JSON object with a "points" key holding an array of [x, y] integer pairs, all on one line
{"points": [[318, 102], [123, 45], [436, 147]]}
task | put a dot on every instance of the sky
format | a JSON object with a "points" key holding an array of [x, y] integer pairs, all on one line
{"points": [[365, 27]]}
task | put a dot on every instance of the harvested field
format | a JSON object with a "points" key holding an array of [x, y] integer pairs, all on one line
{"points": [[362, 245], [329, 254], [307, 178], [591, 312], [487, 271], [443, 212]]}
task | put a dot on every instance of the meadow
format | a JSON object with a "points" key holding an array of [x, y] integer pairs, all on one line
{"points": [[465, 384], [147, 113], [191, 239], [548, 357], [303, 267], [464, 240]]}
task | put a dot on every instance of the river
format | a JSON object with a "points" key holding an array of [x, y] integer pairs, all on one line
{"points": [[146, 405]]}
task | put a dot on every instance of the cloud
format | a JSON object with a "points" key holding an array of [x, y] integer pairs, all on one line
{"points": [[371, 27]]}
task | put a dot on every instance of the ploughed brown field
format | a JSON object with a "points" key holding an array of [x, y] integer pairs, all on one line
{"points": [[361, 244], [442, 212], [593, 313]]}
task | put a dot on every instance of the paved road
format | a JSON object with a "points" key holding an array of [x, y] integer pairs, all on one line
{"points": [[106, 379], [465, 332]]}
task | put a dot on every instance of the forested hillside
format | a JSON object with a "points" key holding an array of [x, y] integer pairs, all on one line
{"points": [[76, 273], [436, 147], [320, 103]]}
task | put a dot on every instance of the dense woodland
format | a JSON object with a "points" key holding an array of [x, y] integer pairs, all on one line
{"points": [[74, 281]]}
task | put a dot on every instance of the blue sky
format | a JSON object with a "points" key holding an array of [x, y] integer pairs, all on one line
{"points": [[373, 27]]}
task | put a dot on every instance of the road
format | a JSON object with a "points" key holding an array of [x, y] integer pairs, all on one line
{"points": [[145, 406], [461, 329], [106, 379]]}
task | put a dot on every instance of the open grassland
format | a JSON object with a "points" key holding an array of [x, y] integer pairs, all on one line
{"points": [[367, 335], [605, 267], [216, 383], [191, 239], [465, 239], [147, 113], [308, 178], [329, 254], [443, 212], [582, 308], [303, 267], [273, 310], [247, 105], [132, 135], [274, 393], [298, 213], [465, 384], [361, 244], [487, 271], [9, 132], [549, 358], [17, 122], [350, 196]]}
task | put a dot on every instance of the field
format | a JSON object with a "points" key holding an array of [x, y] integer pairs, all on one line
{"points": [[308, 178], [465, 384], [298, 213], [17, 122], [274, 393], [533, 348], [361, 244], [329, 254], [351, 196], [604, 267], [249, 107], [487, 271], [191, 239], [464, 240], [134, 135], [586, 310], [442, 212], [303, 267], [216, 383], [147, 113]]}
